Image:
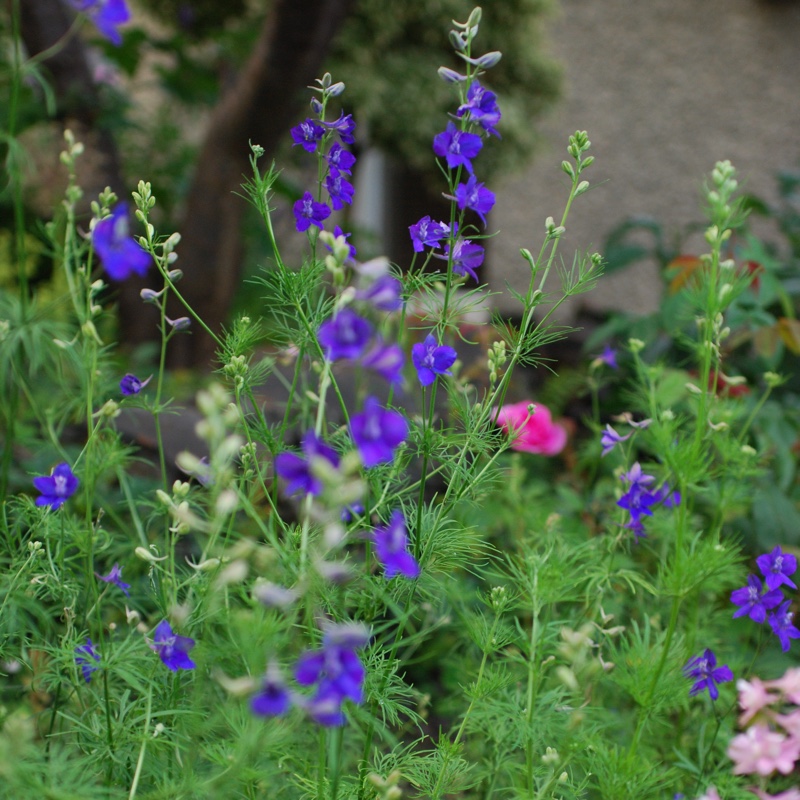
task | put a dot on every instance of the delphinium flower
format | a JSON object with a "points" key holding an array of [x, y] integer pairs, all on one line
{"points": [[481, 107], [337, 232], [120, 254], [467, 257], [377, 432], [638, 501], [391, 548], [385, 359], [782, 626], [298, 471], [57, 487], [776, 567], [755, 599], [339, 189], [432, 359], [87, 658], [336, 671], [344, 126], [273, 699], [115, 577], [179, 324], [457, 147], [308, 212], [308, 135], [344, 336], [130, 385], [475, 196], [427, 233], [610, 439], [608, 357], [340, 159], [384, 293], [705, 669], [172, 649], [532, 428], [107, 15]]}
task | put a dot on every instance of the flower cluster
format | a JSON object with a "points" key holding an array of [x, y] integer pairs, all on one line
{"points": [[758, 597], [639, 500]]}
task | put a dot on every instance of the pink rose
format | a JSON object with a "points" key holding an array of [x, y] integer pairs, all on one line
{"points": [[532, 433]]}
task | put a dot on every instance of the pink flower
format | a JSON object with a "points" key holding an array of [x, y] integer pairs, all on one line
{"points": [[532, 432], [753, 696], [711, 794], [760, 750], [789, 794], [789, 684], [790, 723]]}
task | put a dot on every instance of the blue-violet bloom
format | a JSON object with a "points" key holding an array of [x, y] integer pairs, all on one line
{"points": [[344, 126], [298, 472], [432, 359], [386, 360], [88, 659], [754, 601], [475, 196], [391, 548], [427, 233], [337, 232], [384, 293], [705, 668], [377, 432], [308, 135], [776, 567], [341, 159], [782, 626], [344, 336], [339, 188], [308, 212], [467, 257], [107, 15], [130, 385], [457, 147], [57, 487], [609, 357], [273, 699], [172, 649], [481, 106], [120, 254], [115, 577], [610, 439]]}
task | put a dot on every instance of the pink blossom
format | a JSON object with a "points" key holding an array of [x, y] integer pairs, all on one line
{"points": [[753, 696], [532, 432], [760, 750], [711, 794], [789, 684], [789, 794], [790, 722]]}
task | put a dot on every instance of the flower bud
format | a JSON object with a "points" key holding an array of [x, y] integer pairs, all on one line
{"points": [[146, 555], [150, 295], [450, 75], [175, 275], [488, 60]]}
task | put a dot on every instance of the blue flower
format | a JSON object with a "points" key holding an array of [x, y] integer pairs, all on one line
{"points": [[131, 385], [172, 649], [782, 627], [753, 602], [274, 698], [120, 254], [308, 212], [107, 15], [639, 500], [297, 471], [386, 360], [475, 196], [308, 135], [57, 487], [705, 668], [344, 336], [341, 159], [609, 357], [339, 189], [377, 432], [776, 568], [481, 107], [115, 577], [344, 126], [457, 147], [427, 233], [467, 257], [610, 439], [384, 293], [391, 548], [337, 232], [432, 359], [87, 658]]}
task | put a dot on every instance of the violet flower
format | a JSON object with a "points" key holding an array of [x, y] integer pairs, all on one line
{"points": [[107, 16], [481, 107], [475, 196], [391, 548], [467, 257], [384, 293], [130, 385], [377, 432], [172, 649], [776, 568], [754, 601], [115, 577], [432, 359], [344, 126], [610, 439], [339, 188], [57, 487], [457, 147], [273, 699], [344, 336], [427, 233], [341, 159], [297, 471], [308, 135], [782, 626], [705, 668], [308, 212], [88, 659], [120, 254], [386, 360]]}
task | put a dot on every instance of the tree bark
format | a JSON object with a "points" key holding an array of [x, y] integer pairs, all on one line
{"points": [[259, 108]]}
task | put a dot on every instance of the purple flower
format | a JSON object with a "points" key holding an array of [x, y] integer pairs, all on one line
{"points": [[475, 196], [172, 649], [427, 233], [386, 360], [639, 500], [120, 254], [130, 385], [782, 627], [467, 257], [481, 106], [391, 548], [610, 439], [752, 602], [57, 487], [274, 699], [705, 668], [344, 336], [341, 159], [115, 577], [337, 232], [384, 293], [344, 126], [776, 567], [608, 357], [107, 15], [457, 147], [339, 189], [87, 658], [308, 212], [377, 432], [298, 472], [308, 135], [432, 359]]}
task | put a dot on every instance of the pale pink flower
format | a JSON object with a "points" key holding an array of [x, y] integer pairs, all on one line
{"points": [[789, 684], [790, 722], [753, 696], [762, 751], [711, 794], [789, 794], [532, 432]]}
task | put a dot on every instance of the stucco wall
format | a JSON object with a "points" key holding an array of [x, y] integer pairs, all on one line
{"points": [[665, 89]]}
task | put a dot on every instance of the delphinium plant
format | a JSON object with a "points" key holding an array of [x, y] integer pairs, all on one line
{"points": [[370, 593]]}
